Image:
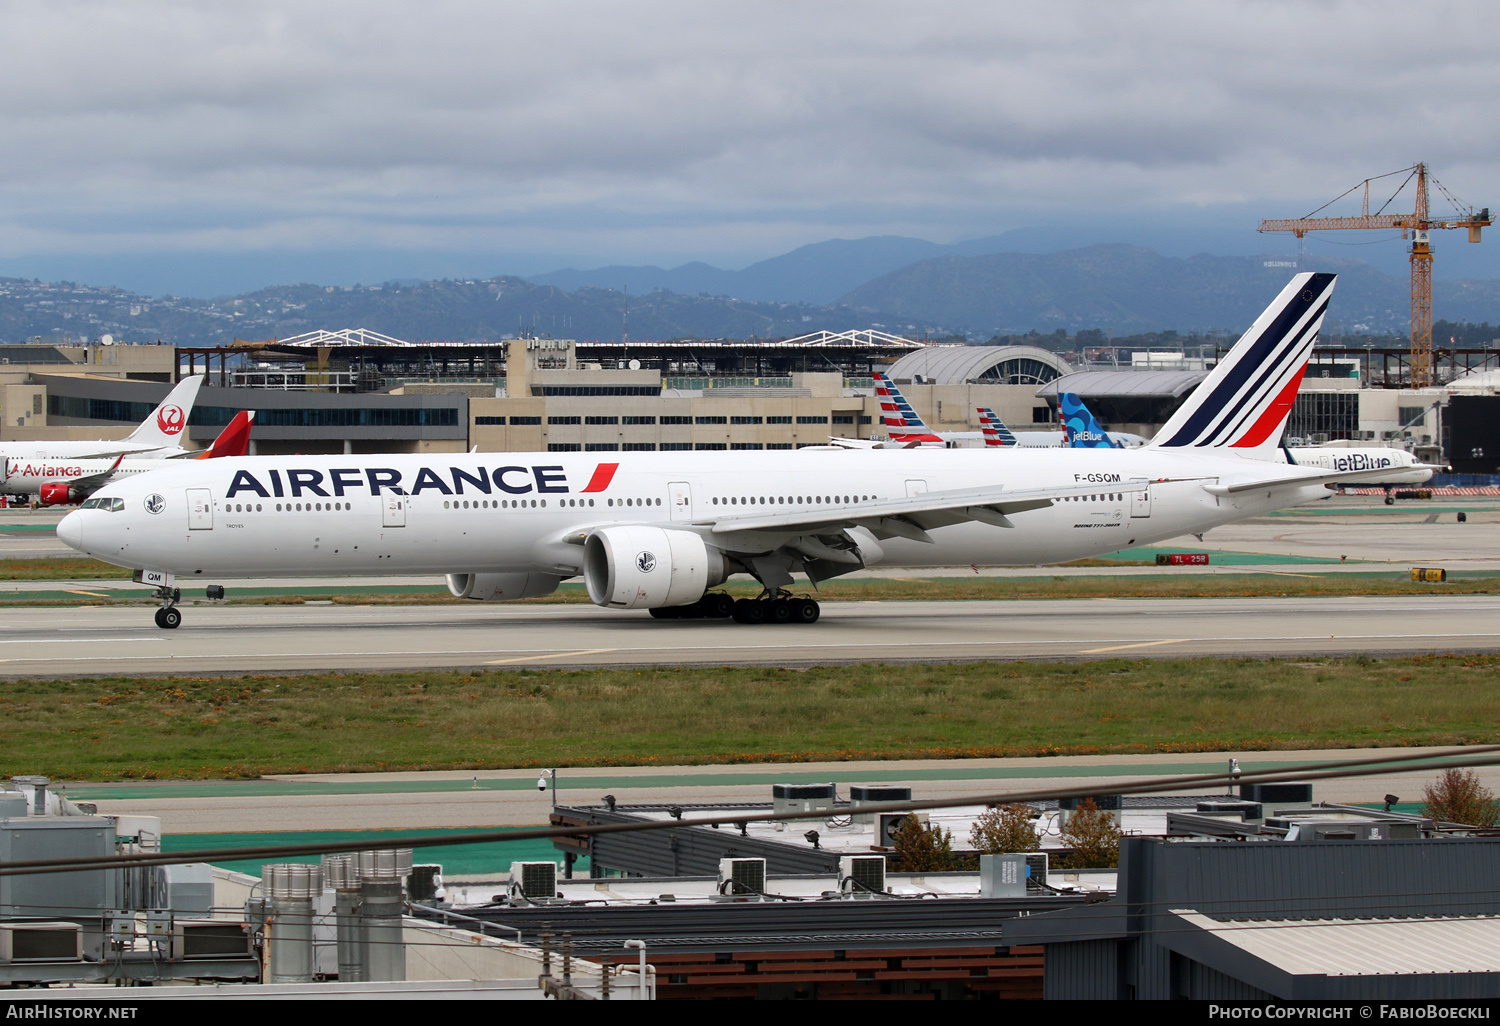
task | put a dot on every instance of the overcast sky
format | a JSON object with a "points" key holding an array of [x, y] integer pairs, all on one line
{"points": [[334, 141]]}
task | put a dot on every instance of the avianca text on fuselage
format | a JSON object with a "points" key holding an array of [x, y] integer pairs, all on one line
{"points": [[336, 482]]}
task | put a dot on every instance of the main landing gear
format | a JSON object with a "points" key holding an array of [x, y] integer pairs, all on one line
{"points": [[772, 607], [169, 617]]}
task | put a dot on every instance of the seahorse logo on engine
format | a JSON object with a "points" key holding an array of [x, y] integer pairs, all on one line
{"points": [[645, 562]]}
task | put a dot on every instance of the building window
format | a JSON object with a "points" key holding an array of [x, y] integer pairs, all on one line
{"points": [[778, 445], [489, 421], [577, 390], [746, 445], [564, 420], [778, 420], [1411, 416], [639, 447], [637, 420], [601, 420], [675, 446], [812, 420], [602, 447], [710, 445], [744, 420], [1041, 415], [563, 447], [664, 420], [863, 419], [710, 420], [1321, 416], [529, 421], [839, 418]]}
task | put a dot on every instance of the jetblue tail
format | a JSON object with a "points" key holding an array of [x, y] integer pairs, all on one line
{"points": [[995, 431], [1244, 403], [1080, 429], [901, 421], [164, 428]]}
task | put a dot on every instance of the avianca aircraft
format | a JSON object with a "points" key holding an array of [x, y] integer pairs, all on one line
{"points": [[159, 435], [59, 482], [657, 531]]}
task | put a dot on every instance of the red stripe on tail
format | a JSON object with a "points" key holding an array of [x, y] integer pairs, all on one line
{"points": [[1274, 417]]}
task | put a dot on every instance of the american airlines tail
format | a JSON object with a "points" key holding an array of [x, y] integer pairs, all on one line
{"points": [[901, 421], [1080, 429], [1244, 403], [164, 427], [996, 434]]}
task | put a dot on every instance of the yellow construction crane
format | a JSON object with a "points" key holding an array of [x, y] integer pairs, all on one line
{"points": [[1415, 226]]}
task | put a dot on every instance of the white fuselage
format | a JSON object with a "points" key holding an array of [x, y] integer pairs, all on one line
{"points": [[26, 477], [1402, 464], [528, 512]]}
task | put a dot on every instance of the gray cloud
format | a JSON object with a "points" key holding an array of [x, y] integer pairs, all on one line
{"points": [[654, 131]]}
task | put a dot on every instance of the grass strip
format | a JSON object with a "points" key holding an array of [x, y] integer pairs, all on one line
{"points": [[208, 728]]}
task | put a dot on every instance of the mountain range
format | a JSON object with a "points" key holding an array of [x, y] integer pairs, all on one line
{"points": [[906, 286]]}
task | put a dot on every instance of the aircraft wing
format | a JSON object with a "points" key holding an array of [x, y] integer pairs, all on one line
{"points": [[91, 483], [1330, 477], [911, 516]]}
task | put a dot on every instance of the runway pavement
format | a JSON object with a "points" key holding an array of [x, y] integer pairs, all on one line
{"points": [[259, 639]]}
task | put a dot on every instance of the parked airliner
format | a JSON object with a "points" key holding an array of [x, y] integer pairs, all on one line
{"points": [[159, 435], [64, 481], [658, 530]]}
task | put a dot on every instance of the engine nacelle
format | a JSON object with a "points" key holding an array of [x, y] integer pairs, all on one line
{"points": [[635, 567], [501, 587], [58, 493]]}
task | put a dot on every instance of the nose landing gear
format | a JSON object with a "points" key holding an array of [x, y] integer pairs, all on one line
{"points": [[168, 617]]}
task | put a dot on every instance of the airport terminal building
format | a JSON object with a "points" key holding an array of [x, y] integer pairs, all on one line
{"points": [[358, 391]]}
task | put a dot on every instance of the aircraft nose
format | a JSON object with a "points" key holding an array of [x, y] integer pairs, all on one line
{"points": [[70, 530]]}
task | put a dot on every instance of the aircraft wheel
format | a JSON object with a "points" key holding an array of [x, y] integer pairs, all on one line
{"points": [[780, 611], [805, 611], [168, 618], [1390, 500], [716, 605], [749, 611]]}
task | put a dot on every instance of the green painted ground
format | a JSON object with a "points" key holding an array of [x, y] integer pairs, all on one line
{"points": [[1216, 557], [459, 859]]}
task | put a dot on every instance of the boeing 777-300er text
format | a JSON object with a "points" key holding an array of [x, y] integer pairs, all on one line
{"points": [[658, 530], [159, 435], [60, 482]]}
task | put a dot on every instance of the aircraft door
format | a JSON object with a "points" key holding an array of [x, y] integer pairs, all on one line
{"points": [[200, 509], [682, 500], [392, 508], [1140, 502], [915, 487]]}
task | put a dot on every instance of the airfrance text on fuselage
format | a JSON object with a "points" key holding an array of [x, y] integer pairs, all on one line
{"points": [[513, 480]]}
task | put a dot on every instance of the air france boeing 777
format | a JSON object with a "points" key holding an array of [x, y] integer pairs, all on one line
{"points": [[657, 531]]}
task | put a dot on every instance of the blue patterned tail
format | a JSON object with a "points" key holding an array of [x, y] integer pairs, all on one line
{"points": [[1079, 426]]}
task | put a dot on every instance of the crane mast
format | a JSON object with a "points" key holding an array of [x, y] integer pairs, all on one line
{"points": [[1414, 226]]}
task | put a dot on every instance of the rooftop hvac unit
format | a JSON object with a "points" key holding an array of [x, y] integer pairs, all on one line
{"points": [[210, 938], [1278, 797], [801, 797], [1003, 876], [40, 942], [864, 794], [888, 824], [1249, 812], [1036, 870], [742, 876], [534, 881], [862, 874]]}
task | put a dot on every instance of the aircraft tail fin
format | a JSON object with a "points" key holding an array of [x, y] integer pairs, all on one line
{"points": [[164, 428], [1080, 429], [901, 421], [1243, 404], [995, 431], [234, 440]]}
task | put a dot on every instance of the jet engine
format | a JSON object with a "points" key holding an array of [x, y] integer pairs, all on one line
{"points": [[636, 567], [501, 587], [59, 493]]}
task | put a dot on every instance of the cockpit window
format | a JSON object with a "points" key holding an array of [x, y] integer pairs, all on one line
{"points": [[113, 505]]}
